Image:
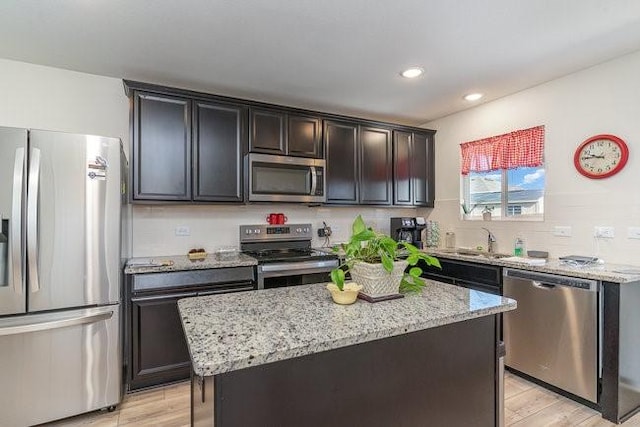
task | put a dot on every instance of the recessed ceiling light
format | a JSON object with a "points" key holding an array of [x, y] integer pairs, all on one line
{"points": [[473, 96], [412, 73]]}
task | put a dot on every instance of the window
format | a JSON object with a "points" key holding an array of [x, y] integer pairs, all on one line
{"points": [[504, 175], [514, 209]]}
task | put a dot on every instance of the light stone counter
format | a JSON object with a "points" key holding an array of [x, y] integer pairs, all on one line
{"points": [[618, 273], [182, 262], [234, 331]]}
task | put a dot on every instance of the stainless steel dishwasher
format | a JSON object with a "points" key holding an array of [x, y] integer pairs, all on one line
{"points": [[553, 335]]}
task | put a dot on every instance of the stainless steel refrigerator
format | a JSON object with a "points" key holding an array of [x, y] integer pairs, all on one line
{"points": [[60, 206]]}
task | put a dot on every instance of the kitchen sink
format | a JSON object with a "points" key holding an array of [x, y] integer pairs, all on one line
{"points": [[497, 256], [476, 253]]}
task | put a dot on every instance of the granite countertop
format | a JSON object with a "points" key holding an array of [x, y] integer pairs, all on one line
{"points": [[618, 273], [233, 331], [162, 264]]}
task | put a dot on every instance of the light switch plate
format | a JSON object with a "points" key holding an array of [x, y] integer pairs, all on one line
{"points": [[183, 230], [562, 230], [606, 232], [633, 233]]}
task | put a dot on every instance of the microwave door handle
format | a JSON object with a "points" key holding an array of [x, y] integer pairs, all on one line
{"points": [[16, 223], [314, 180]]}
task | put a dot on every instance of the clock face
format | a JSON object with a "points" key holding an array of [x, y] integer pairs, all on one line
{"points": [[601, 156]]}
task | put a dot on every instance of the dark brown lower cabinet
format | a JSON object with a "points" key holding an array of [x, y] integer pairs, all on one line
{"points": [[472, 275], [159, 348], [155, 350]]}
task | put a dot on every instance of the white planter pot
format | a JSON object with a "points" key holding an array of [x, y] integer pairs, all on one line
{"points": [[376, 281]]}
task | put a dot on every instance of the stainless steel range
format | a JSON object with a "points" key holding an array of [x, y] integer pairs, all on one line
{"points": [[285, 256]]}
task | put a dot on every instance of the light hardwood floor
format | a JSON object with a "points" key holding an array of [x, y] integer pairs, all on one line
{"points": [[526, 404]]}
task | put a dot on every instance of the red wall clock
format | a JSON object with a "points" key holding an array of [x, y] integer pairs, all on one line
{"points": [[601, 156]]}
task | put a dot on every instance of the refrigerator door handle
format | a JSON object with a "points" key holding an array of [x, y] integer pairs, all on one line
{"points": [[55, 324], [32, 219], [16, 223]]}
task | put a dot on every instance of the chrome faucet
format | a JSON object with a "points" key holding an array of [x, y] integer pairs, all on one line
{"points": [[491, 239]]}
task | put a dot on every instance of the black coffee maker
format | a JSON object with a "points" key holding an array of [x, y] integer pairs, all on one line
{"points": [[408, 229]]}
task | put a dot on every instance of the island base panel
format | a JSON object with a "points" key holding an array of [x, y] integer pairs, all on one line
{"points": [[435, 377]]}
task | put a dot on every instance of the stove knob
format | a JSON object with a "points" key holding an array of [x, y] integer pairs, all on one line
{"points": [[257, 231], [249, 231], [298, 230], [306, 229]]}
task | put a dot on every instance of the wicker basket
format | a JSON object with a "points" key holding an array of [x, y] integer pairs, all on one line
{"points": [[376, 281]]}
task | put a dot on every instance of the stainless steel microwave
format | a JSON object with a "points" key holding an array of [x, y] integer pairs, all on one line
{"points": [[275, 178]]}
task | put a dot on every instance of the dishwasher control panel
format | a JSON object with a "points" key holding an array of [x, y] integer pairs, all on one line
{"points": [[552, 279]]}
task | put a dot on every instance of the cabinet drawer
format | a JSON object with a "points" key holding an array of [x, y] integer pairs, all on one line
{"points": [[193, 278], [464, 271]]}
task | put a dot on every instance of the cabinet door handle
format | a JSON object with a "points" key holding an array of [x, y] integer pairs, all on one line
{"points": [[166, 296]]}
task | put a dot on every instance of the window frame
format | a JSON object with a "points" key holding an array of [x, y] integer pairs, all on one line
{"points": [[504, 190]]}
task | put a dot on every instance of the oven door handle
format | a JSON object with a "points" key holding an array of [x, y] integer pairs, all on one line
{"points": [[297, 266]]}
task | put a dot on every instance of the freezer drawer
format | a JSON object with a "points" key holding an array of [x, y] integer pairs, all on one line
{"points": [[56, 365]]}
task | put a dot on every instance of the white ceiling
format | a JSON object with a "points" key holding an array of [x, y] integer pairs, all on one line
{"points": [[342, 56]]}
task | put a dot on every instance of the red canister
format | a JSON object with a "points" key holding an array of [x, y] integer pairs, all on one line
{"points": [[282, 218]]}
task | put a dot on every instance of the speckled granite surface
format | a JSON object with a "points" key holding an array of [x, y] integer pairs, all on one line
{"points": [[234, 331], [618, 273], [182, 262]]}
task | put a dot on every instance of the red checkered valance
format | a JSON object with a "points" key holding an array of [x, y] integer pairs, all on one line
{"points": [[520, 148]]}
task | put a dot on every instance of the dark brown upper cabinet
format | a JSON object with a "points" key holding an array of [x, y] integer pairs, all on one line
{"points": [[359, 168], [341, 151], [187, 150], [191, 146], [413, 169], [268, 132], [219, 144], [279, 132], [375, 166], [161, 147], [304, 136]]}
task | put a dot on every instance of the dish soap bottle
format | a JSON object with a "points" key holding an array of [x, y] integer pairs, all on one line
{"points": [[518, 249]]}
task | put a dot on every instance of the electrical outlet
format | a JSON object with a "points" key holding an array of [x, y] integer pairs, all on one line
{"points": [[633, 233], [183, 230], [605, 232], [562, 230], [324, 231]]}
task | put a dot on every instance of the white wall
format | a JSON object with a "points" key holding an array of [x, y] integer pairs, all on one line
{"points": [[602, 99], [38, 97], [34, 96]]}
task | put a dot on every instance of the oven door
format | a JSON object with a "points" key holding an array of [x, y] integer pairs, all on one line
{"points": [[281, 274], [285, 179]]}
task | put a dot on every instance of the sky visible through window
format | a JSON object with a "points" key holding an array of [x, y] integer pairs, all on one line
{"points": [[526, 178]]}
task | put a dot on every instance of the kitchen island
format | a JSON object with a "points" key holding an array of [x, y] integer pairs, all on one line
{"points": [[291, 357]]}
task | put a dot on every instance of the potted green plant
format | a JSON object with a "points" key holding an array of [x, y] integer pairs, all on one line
{"points": [[375, 262], [486, 213]]}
